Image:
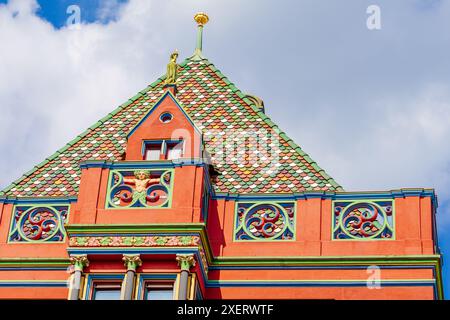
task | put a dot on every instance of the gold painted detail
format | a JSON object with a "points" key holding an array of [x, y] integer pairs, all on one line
{"points": [[132, 262], [79, 262], [201, 18], [172, 69], [185, 261]]}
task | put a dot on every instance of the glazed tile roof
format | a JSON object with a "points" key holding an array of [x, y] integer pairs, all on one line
{"points": [[220, 110]]}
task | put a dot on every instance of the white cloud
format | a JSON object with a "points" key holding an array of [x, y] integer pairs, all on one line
{"points": [[401, 146], [55, 83], [109, 10]]}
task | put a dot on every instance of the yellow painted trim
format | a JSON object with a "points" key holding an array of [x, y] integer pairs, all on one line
{"points": [[176, 287], [135, 282], [135, 288], [192, 283], [83, 290], [70, 286]]}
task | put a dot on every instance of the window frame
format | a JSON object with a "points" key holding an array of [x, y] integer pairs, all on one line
{"points": [[144, 279], [164, 143], [158, 284], [106, 286], [148, 147], [94, 279], [171, 146]]}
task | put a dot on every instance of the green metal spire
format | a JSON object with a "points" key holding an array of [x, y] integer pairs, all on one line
{"points": [[201, 18]]}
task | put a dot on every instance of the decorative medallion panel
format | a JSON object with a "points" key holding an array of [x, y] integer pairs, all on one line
{"points": [[38, 223], [363, 220], [264, 221], [139, 189]]}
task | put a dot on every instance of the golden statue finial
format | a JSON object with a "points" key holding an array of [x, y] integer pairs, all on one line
{"points": [[201, 18], [172, 72]]}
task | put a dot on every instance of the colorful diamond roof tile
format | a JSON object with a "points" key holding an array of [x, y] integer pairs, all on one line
{"points": [[226, 117]]}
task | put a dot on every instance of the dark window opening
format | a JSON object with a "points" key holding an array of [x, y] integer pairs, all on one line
{"points": [[106, 291], [158, 291], [163, 150]]}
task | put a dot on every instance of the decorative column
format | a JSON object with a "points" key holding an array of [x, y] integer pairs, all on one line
{"points": [[79, 262], [185, 261], [131, 262]]}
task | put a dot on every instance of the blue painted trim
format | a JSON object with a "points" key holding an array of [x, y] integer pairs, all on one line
{"points": [[214, 268], [198, 292], [141, 250], [95, 164], [106, 276], [18, 284], [362, 267], [330, 195], [198, 162], [91, 277], [163, 97], [152, 276], [163, 143], [210, 194], [164, 148], [146, 276], [145, 143], [293, 283], [40, 200]]}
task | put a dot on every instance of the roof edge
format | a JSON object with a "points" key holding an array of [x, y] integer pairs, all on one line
{"points": [[84, 133]]}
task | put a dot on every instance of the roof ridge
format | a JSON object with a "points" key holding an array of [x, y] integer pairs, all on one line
{"points": [[89, 129], [83, 134], [232, 89]]}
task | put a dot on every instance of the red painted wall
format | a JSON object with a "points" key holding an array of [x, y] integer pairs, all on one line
{"points": [[413, 233], [180, 128]]}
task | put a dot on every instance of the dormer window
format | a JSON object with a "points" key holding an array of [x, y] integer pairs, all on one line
{"points": [[153, 152], [163, 150], [174, 150]]}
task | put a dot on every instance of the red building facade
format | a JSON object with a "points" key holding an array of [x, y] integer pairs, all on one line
{"points": [[189, 191]]}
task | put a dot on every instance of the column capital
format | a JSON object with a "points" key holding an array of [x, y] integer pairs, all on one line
{"points": [[79, 262], [132, 262], [186, 261]]}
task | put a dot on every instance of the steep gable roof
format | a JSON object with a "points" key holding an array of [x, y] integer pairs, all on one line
{"points": [[166, 95], [214, 104]]}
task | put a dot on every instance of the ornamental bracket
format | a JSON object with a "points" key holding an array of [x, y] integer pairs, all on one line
{"points": [[79, 262], [186, 261], [132, 262]]}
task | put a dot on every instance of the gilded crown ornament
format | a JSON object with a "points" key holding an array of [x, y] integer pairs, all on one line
{"points": [[201, 18]]}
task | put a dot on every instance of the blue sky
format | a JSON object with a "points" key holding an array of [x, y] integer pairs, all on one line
{"points": [[55, 11], [371, 107]]}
